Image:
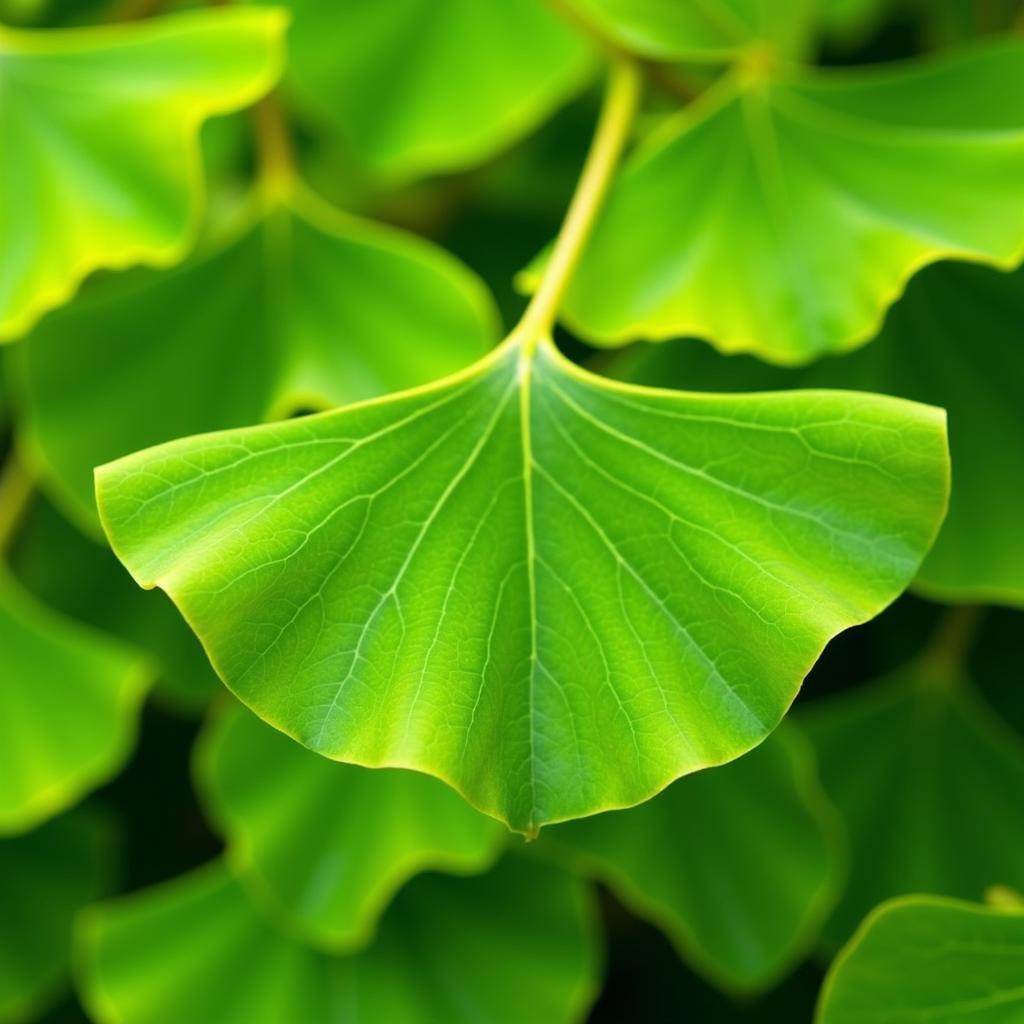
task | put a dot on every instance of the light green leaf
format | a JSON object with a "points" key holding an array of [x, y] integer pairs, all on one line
{"points": [[953, 341], [938, 776], [453, 81], [741, 912], [703, 30], [46, 545], [99, 134], [46, 877], [511, 946], [781, 217], [304, 307], [929, 959], [328, 845], [554, 592], [69, 698]]}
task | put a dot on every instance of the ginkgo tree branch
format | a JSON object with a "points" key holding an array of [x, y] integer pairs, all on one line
{"points": [[16, 487], [620, 103]]}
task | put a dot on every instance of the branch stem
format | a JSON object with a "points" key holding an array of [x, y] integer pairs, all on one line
{"points": [[274, 148], [620, 103], [16, 487], [950, 645]]}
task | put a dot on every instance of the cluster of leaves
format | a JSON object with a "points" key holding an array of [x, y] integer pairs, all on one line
{"points": [[464, 588]]}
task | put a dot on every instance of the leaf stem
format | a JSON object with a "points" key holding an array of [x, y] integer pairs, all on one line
{"points": [[16, 487], [950, 645], [621, 98], [274, 148]]}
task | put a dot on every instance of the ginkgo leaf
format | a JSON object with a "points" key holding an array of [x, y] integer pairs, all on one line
{"points": [[921, 354], [709, 30], [69, 698], [923, 958], [938, 775], [99, 134], [46, 545], [741, 912], [453, 81], [306, 306], [46, 877], [329, 845], [782, 216], [554, 592], [510, 946]]}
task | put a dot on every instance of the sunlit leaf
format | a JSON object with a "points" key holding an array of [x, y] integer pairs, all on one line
{"points": [[929, 959], [47, 545], [69, 698], [938, 778], [554, 592], [329, 845], [99, 134], [305, 307], [452, 81], [741, 911], [781, 216], [708, 30], [952, 340], [46, 877], [511, 946]]}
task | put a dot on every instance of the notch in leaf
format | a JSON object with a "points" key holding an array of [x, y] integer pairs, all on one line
{"points": [[554, 592]]}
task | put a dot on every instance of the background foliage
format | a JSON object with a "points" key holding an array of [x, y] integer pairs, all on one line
{"points": [[215, 217]]}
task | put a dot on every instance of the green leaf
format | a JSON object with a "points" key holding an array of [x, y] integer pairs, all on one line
{"points": [[46, 877], [924, 958], [306, 306], [44, 548], [511, 946], [781, 217], [328, 845], [921, 354], [741, 912], [453, 81], [68, 703], [937, 777], [99, 130], [708, 30], [554, 592]]}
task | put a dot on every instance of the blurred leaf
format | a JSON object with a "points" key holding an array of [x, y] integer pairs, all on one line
{"points": [[329, 845], [951, 341], [925, 777], [923, 958], [511, 946], [69, 699], [48, 545], [556, 593], [452, 82], [741, 911], [46, 876], [781, 217], [709, 30], [100, 141], [851, 20], [305, 307]]}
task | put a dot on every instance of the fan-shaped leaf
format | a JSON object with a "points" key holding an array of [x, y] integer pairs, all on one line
{"points": [[328, 844], [554, 592], [305, 307], [938, 777], [46, 877], [742, 912], [99, 133], [924, 958], [68, 702], [781, 217], [46, 545], [952, 340], [510, 946], [452, 81], [708, 30]]}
